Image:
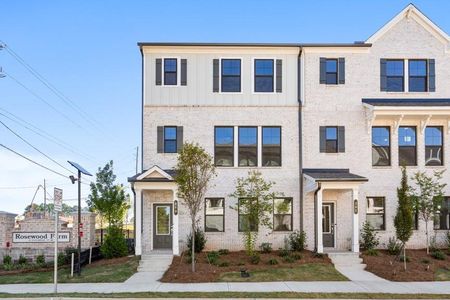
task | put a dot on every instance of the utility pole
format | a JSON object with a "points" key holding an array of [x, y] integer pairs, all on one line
{"points": [[137, 156], [45, 198]]}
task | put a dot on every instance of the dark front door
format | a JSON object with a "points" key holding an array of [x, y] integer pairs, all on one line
{"points": [[162, 225], [328, 224]]}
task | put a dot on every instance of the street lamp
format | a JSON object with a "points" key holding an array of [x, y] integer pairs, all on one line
{"points": [[73, 179]]}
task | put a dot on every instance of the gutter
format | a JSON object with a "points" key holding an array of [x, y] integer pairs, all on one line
{"points": [[316, 234]]}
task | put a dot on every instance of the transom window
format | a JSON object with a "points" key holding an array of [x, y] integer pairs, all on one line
{"points": [[231, 75], [170, 71], [442, 220], [433, 146], [271, 146], [375, 214], [214, 214], [264, 70], [248, 146], [170, 139], [224, 146], [395, 75], [331, 71], [407, 153], [245, 221], [418, 75], [282, 214], [381, 146], [331, 139]]}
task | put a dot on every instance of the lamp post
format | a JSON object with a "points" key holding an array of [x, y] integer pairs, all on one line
{"points": [[80, 170]]}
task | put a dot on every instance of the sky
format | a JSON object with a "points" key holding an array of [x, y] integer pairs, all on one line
{"points": [[86, 107]]}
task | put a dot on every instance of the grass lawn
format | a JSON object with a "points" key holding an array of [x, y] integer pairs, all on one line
{"points": [[306, 272], [442, 275], [114, 270]]}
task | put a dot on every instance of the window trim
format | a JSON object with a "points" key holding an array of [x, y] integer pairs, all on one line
{"points": [[239, 214], [337, 71], [426, 75], [291, 214], [257, 148], [163, 84], [337, 139], [241, 75], [415, 147], [404, 61], [377, 214], [390, 145], [442, 145], [262, 146], [254, 59], [215, 147], [223, 214], [176, 138]]}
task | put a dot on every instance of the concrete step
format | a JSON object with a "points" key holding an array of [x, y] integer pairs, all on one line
{"points": [[155, 262]]}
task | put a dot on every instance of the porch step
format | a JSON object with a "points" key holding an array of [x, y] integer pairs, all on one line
{"points": [[351, 266], [155, 262], [345, 258]]}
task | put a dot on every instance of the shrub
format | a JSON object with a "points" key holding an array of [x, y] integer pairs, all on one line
{"points": [[394, 246], [288, 259], [297, 240], [372, 252], [369, 237], [404, 258], [8, 267], [266, 247], [425, 261], [40, 260], [224, 251], [114, 244], [255, 259], [438, 254], [273, 261], [22, 260], [213, 257], [318, 255], [433, 244], [61, 259], [284, 252], [296, 256], [224, 264], [7, 260], [200, 241]]}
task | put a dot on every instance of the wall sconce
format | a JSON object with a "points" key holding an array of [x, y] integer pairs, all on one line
{"points": [[175, 207], [355, 206]]}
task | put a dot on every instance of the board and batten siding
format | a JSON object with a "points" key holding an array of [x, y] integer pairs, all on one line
{"points": [[199, 88]]}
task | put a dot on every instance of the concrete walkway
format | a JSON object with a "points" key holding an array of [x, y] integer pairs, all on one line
{"points": [[351, 266]]}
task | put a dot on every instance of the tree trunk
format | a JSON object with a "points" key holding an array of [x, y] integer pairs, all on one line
{"points": [[426, 234], [404, 255], [193, 247]]}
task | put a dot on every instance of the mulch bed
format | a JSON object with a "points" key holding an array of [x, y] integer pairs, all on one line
{"points": [[421, 267], [180, 270]]}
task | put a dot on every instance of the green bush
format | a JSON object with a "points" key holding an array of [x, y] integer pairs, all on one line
{"points": [[7, 260], [213, 257], [394, 246], [284, 252], [224, 251], [40, 260], [403, 258], [297, 240], [425, 261], [438, 254], [369, 237], [255, 259], [273, 261], [61, 259], [22, 260], [372, 252], [433, 244], [266, 247], [114, 244], [296, 256], [200, 241], [288, 259], [8, 267], [224, 264]]}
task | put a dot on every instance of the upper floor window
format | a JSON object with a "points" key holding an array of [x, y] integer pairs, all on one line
{"points": [[224, 146], [381, 146], [395, 75], [231, 75], [271, 146], [170, 71], [375, 214], [433, 146], [418, 80], [331, 139], [248, 146], [442, 220], [407, 154], [170, 139], [214, 214], [264, 74], [331, 71]]}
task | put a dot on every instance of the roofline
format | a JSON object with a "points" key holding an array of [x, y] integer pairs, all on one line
{"points": [[275, 45]]}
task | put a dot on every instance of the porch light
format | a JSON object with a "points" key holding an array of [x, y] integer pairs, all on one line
{"points": [[175, 207], [355, 206]]}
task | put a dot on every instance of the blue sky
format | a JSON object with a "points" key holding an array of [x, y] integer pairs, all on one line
{"points": [[87, 50]]}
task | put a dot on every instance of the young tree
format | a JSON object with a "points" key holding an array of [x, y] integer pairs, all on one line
{"points": [[255, 205], [403, 220], [428, 196], [194, 171]]}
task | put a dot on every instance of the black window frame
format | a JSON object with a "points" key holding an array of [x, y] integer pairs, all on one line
{"points": [[377, 214], [256, 76], [170, 140], [170, 72], [438, 218], [327, 149], [335, 74], [223, 214], [415, 76], [215, 146], [239, 147], [395, 76], [291, 214], [441, 128], [383, 147], [262, 145], [415, 147], [239, 216], [222, 76]]}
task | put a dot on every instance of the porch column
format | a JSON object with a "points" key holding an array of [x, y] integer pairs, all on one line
{"points": [[175, 243], [319, 216], [138, 221], [355, 213]]}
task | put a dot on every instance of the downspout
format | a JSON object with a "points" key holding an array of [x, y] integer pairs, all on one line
{"points": [[300, 140], [142, 108], [134, 214], [319, 186]]}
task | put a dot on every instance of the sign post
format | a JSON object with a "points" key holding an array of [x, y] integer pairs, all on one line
{"points": [[57, 196]]}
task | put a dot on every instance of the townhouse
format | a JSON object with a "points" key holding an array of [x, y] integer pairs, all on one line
{"points": [[330, 124]]}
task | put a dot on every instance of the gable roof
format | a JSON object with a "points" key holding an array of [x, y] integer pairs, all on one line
{"points": [[154, 174], [411, 11]]}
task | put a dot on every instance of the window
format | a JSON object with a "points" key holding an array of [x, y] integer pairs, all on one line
{"points": [[394, 76], [332, 71], [245, 222], [418, 75], [214, 215], [170, 71], [264, 70], [271, 146], [282, 214], [442, 221], [248, 147], [433, 146], [381, 146], [170, 139], [331, 139], [224, 146], [231, 75], [375, 214], [407, 155]]}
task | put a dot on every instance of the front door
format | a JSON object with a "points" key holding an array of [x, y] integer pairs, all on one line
{"points": [[328, 224], [162, 224]]}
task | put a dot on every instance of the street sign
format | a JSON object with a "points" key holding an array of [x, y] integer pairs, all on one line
{"points": [[57, 196]]}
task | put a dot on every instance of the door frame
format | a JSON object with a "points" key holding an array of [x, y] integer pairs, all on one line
{"points": [[334, 202], [153, 228]]}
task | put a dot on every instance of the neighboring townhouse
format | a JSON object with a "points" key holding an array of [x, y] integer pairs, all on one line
{"points": [[328, 123]]}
